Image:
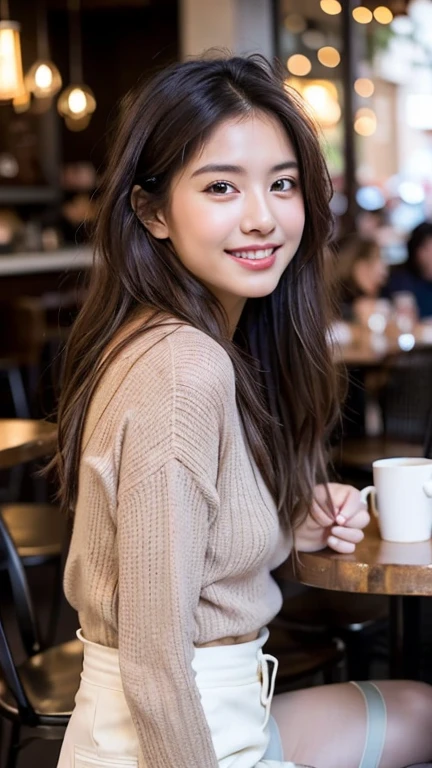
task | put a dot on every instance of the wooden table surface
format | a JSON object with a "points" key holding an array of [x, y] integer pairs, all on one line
{"points": [[25, 439], [376, 567], [367, 349]]}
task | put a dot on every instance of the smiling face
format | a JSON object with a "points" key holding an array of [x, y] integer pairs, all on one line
{"points": [[235, 216]]}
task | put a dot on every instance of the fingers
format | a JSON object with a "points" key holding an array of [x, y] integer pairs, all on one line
{"points": [[322, 517], [343, 539], [353, 535], [346, 501], [351, 507], [343, 547], [359, 520]]}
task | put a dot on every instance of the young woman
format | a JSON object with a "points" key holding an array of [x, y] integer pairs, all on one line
{"points": [[198, 395]]}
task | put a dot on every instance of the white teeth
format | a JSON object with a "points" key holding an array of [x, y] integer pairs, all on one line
{"points": [[264, 254]]}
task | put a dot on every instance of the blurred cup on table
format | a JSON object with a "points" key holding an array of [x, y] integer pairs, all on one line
{"points": [[373, 313], [401, 498], [405, 311]]}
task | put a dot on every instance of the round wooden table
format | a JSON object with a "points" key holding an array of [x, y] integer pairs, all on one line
{"points": [[24, 440], [401, 571]]}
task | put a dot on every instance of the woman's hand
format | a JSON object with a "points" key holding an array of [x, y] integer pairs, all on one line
{"points": [[340, 528]]}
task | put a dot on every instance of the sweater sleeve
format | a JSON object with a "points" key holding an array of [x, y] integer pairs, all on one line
{"points": [[162, 537], [167, 499]]}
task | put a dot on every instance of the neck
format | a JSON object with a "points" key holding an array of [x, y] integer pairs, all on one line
{"points": [[233, 310]]}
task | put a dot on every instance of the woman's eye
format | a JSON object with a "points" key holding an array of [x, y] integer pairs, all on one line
{"points": [[220, 188], [283, 185]]}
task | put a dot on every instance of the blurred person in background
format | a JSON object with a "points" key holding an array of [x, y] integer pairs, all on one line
{"points": [[415, 275], [361, 276]]}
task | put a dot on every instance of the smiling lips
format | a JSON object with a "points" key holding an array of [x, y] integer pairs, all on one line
{"points": [[255, 256], [254, 251]]}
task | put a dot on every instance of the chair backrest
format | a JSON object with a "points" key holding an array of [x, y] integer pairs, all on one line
{"points": [[25, 616], [406, 396]]}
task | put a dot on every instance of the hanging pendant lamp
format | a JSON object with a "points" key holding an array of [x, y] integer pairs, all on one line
{"points": [[43, 78], [77, 102], [11, 72]]}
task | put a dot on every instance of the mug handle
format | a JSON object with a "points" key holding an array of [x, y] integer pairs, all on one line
{"points": [[368, 496], [427, 487]]}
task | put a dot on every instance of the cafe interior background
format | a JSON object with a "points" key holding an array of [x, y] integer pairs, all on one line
{"points": [[365, 72]]}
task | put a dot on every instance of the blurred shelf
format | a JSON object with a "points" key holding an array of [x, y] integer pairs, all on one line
{"points": [[10, 195], [74, 258]]}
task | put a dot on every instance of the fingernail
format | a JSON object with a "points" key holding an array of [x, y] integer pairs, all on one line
{"points": [[341, 519], [332, 541]]}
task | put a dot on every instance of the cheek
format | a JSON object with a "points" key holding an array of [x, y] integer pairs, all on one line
{"points": [[194, 222], [294, 221]]}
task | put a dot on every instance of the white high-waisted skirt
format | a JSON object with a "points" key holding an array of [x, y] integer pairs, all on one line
{"points": [[236, 684]]}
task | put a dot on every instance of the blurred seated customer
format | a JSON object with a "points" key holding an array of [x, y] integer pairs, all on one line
{"points": [[361, 275], [415, 275]]}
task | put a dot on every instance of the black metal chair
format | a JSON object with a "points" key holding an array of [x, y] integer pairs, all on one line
{"points": [[39, 532], [37, 694]]}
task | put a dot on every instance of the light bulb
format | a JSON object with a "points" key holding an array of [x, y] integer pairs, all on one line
{"points": [[43, 79], [43, 76], [11, 76], [77, 102]]}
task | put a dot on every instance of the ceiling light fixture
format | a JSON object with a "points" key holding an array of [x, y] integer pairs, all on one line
{"points": [[43, 78], [11, 72], [77, 102]]}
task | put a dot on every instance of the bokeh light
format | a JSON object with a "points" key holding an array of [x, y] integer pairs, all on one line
{"points": [[383, 15], [362, 15], [299, 65], [332, 7], [364, 87], [328, 56], [365, 122]]}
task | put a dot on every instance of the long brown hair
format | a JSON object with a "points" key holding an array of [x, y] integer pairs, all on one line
{"points": [[285, 380]]}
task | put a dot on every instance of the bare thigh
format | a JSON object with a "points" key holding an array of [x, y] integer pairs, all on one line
{"points": [[325, 727]]}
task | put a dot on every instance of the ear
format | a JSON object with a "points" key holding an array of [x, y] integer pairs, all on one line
{"points": [[152, 220]]}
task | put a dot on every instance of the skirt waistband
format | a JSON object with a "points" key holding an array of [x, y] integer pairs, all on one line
{"points": [[214, 666], [100, 665]]}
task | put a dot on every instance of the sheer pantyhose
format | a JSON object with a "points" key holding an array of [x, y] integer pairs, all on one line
{"points": [[325, 727]]}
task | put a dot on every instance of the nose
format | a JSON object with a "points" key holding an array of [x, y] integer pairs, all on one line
{"points": [[257, 216]]}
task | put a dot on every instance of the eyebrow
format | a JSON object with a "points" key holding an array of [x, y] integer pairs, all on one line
{"points": [[212, 168]]}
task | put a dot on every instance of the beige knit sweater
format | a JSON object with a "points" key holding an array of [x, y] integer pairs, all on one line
{"points": [[175, 532]]}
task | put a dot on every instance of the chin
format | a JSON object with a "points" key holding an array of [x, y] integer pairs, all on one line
{"points": [[259, 291]]}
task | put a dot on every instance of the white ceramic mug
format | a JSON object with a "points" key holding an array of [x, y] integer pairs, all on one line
{"points": [[402, 498]]}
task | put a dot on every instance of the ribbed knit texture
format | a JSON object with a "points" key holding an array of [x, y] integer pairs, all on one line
{"points": [[175, 532]]}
